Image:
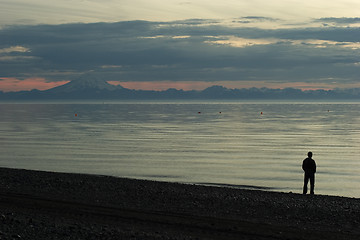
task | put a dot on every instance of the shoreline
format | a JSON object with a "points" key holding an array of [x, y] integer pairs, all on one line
{"points": [[81, 204]]}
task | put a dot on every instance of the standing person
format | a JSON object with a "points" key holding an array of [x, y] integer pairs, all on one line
{"points": [[309, 167]]}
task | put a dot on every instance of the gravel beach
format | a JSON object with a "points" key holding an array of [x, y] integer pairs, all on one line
{"points": [[47, 205]]}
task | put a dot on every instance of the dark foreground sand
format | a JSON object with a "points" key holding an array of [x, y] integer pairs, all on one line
{"points": [[44, 205]]}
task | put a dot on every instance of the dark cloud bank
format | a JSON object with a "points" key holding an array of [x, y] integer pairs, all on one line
{"points": [[192, 50]]}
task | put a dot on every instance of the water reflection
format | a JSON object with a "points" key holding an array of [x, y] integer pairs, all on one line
{"points": [[173, 142]]}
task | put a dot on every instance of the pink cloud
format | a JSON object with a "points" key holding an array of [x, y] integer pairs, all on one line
{"points": [[14, 84]]}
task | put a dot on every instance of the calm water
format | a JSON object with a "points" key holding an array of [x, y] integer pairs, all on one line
{"points": [[229, 143]]}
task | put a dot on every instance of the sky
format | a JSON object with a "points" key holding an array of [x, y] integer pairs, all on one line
{"points": [[183, 44]]}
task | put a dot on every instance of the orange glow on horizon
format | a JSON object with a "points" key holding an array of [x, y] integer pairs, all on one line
{"points": [[14, 84]]}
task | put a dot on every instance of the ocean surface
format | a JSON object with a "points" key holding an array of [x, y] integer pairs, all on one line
{"points": [[258, 145]]}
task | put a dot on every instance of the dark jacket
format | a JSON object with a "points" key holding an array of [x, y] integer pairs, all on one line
{"points": [[309, 166]]}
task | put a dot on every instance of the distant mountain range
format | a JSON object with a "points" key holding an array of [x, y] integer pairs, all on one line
{"points": [[91, 88]]}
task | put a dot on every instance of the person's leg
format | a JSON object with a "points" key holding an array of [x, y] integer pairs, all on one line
{"points": [[306, 180], [312, 183]]}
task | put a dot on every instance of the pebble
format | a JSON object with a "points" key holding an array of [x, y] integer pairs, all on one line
{"points": [[270, 207]]}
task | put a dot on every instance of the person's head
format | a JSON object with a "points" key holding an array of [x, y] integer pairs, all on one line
{"points": [[310, 154]]}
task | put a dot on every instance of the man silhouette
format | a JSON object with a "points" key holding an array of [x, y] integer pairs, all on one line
{"points": [[309, 167]]}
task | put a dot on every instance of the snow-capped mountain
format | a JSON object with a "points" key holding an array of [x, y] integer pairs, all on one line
{"points": [[84, 84]]}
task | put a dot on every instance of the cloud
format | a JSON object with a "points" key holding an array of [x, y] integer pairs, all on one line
{"points": [[238, 42], [254, 19], [14, 49], [87, 11], [339, 21], [15, 58], [197, 50], [196, 22], [326, 43], [11, 54]]}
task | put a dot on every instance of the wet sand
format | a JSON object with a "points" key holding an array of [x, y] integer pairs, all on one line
{"points": [[46, 205]]}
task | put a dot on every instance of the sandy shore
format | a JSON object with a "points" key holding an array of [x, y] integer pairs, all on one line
{"points": [[45, 205]]}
